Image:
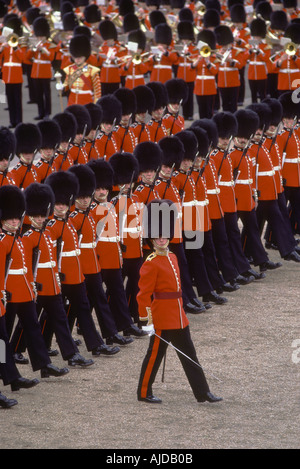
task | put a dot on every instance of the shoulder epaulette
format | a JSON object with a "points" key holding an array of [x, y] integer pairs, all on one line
{"points": [[2, 236], [74, 214], [51, 222], [27, 233], [140, 188], [151, 257], [38, 164]]}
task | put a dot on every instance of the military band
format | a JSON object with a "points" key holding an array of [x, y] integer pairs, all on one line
{"points": [[77, 194]]}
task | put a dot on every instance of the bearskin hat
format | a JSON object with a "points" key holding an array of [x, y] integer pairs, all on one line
{"points": [[70, 21], [186, 14], [190, 144], [208, 36], [258, 27], [92, 14], [82, 30], [263, 9], [65, 187], [237, 13], [130, 23], [211, 18], [80, 46], [86, 179], [66, 7], [51, 133], [173, 151], [159, 220], [293, 32], [41, 27], [163, 34], [104, 173], [160, 94], [127, 99], [177, 91], [23, 5], [12, 202], [145, 99], [210, 127], [226, 123], [264, 114], [276, 108], [290, 109], [108, 30], [40, 200], [96, 114], [68, 125], [7, 143], [177, 4], [279, 20], [125, 6], [139, 37], [202, 140], [14, 22], [82, 117], [111, 109], [31, 14], [28, 138], [156, 17], [185, 30], [125, 167], [224, 35], [248, 123], [149, 156]]}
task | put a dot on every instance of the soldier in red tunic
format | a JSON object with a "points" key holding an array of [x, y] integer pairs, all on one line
{"points": [[160, 304], [8, 148]]}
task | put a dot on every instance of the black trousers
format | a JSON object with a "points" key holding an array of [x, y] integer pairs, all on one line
{"points": [[80, 308], [223, 252], [188, 106], [235, 242], [211, 262], [272, 82], [109, 88], [251, 238], [205, 106], [43, 96], [292, 195], [241, 95], [258, 90], [181, 339], [27, 314], [229, 98], [116, 298], [197, 268], [131, 273], [14, 102], [282, 204], [8, 370], [268, 210], [31, 89], [98, 300], [188, 292], [53, 320]]}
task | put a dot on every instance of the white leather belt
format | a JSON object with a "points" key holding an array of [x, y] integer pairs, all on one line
{"points": [[12, 64], [74, 90], [289, 70], [163, 66], [38, 61], [292, 160], [205, 77], [46, 265], [74, 253], [195, 203], [88, 245], [111, 239], [277, 168], [226, 183], [256, 63], [135, 77], [17, 271], [266, 173], [135, 229], [227, 69], [213, 191], [244, 181], [110, 65]]}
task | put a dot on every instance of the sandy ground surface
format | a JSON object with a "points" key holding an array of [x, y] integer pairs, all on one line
{"points": [[250, 354]]}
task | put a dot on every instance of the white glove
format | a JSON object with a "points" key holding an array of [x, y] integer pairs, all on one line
{"points": [[149, 328], [59, 86]]}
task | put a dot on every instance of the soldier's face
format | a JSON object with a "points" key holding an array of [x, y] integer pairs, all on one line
{"points": [[141, 117], [60, 210], [147, 176], [3, 165], [158, 113], [174, 108], [27, 158], [101, 194], [11, 224], [79, 60], [125, 119], [83, 202], [160, 243], [288, 122], [166, 170], [186, 164], [38, 221], [106, 127], [47, 152], [223, 142]]}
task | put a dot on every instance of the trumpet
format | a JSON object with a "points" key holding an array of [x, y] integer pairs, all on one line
{"points": [[13, 40], [205, 51], [290, 48]]}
